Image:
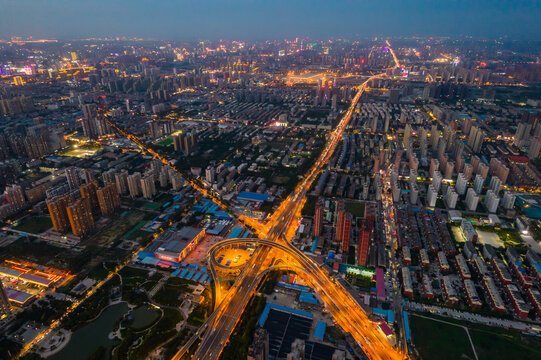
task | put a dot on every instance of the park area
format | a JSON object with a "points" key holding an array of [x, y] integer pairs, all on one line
{"points": [[447, 339], [34, 224]]}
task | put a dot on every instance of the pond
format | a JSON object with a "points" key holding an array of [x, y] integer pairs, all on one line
{"points": [[144, 316], [86, 340]]}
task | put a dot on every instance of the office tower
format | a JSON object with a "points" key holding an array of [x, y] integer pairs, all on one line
{"points": [[495, 184], [108, 177], [482, 170], [468, 171], [364, 242], [210, 175], [318, 218], [407, 136], [90, 115], [57, 209], [451, 197], [535, 147], [434, 137], [431, 196], [436, 180], [80, 217], [508, 201], [522, 135], [478, 183], [148, 186], [5, 308], [491, 201], [89, 191], [472, 199], [108, 199], [461, 184], [434, 165], [15, 196], [134, 184], [121, 182], [74, 177]]}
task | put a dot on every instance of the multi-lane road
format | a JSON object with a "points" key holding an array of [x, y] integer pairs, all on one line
{"points": [[338, 301]]}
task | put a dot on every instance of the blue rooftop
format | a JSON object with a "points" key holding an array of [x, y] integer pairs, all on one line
{"points": [[321, 326], [269, 306], [252, 196], [308, 298]]}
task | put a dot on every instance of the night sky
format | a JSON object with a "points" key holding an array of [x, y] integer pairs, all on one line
{"points": [[272, 19]]}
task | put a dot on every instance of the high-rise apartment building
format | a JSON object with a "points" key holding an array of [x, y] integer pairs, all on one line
{"points": [[472, 199], [148, 186], [57, 209], [134, 184], [89, 191], [364, 242], [108, 199], [80, 217], [318, 219]]}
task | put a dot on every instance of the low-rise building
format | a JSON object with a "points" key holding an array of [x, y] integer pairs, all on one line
{"points": [[468, 231], [406, 281], [493, 295], [427, 287], [501, 271], [462, 267], [519, 305], [473, 298], [450, 294], [442, 260]]}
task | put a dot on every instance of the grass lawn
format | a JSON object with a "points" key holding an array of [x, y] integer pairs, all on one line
{"points": [[35, 224], [356, 208], [151, 206], [169, 294], [492, 346], [133, 233], [435, 340], [166, 142]]}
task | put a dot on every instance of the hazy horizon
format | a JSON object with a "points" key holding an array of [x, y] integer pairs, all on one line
{"points": [[253, 20]]}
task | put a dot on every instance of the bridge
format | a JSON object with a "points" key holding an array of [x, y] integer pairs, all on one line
{"points": [[272, 240]]}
